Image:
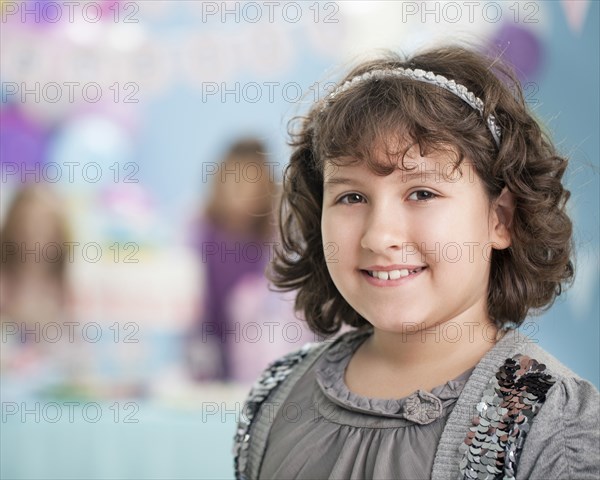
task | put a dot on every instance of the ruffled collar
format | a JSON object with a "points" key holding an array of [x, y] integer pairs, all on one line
{"points": [[420, 407]]}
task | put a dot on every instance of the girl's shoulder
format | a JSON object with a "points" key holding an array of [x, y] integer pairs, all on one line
{"points": [[269, 390], [564, 439], [267, 395], [527, 413]]}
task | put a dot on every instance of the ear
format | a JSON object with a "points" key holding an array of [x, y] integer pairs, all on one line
{"points": [[503, 209]]}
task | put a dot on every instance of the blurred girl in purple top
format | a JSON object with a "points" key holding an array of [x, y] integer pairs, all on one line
{"points": [[234, 238]]}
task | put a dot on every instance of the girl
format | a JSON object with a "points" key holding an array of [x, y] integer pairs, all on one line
{"points": [[34, 286], [422, 206], [35, 291], [238, 215]]}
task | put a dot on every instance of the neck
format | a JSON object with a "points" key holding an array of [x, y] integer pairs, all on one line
{"points": [[456, 344]]}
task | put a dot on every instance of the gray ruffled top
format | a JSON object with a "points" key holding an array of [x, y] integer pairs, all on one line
{"points": [[325, 431]]}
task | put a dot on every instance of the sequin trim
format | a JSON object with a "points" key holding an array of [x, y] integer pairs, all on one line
{"points": [[509, 403], [271, 377]]}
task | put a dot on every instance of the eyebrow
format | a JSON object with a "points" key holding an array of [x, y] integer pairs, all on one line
{"points": [[340, 181], [423, 174]]}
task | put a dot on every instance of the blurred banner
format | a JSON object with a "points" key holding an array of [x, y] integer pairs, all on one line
{"points": [[134, 310]]}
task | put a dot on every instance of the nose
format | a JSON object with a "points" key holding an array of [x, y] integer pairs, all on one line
{"points": [[384, 231]]}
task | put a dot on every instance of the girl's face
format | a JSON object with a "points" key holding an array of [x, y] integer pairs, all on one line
{"points": [[244, 192], [427, 233]]}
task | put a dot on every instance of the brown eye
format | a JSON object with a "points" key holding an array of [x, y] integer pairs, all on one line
{"points": [[351, 198], [422, 195]]}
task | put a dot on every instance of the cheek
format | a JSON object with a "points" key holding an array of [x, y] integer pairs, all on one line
{"points": [[455, 241], [342, 231], [332, 227], [329, 240], [339, 246], [464, 223], [325, 228]]}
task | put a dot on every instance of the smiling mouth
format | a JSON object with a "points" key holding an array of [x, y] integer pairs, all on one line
{"points": [[393, 274]]}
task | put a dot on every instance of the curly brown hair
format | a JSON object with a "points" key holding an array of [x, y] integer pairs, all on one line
{"points": [[530, 274]]}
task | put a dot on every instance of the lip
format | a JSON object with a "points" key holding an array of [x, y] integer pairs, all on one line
{"points": [[391, 283], [380, 268]]}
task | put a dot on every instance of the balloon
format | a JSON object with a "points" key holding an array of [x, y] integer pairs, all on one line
{"points": [[521, 48], [112, 11], [41, 14], [91, 151], [22, 146]]}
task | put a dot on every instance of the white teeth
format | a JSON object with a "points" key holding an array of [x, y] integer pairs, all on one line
{"points": [[392, 274]]}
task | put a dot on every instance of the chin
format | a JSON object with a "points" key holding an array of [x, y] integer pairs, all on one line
{"points": [[394, 323]]}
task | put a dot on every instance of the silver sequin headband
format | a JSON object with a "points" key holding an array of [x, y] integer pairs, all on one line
{"points": [[426, 77]]}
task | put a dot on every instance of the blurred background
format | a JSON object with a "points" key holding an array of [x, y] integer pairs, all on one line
{"points": [[142, 144]]}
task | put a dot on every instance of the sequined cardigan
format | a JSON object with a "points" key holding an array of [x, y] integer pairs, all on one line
{"points": [[521, 415]]}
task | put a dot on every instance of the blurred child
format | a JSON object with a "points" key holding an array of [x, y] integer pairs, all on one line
{"points": [[33, 240], [235, 239], [33, 292]]}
